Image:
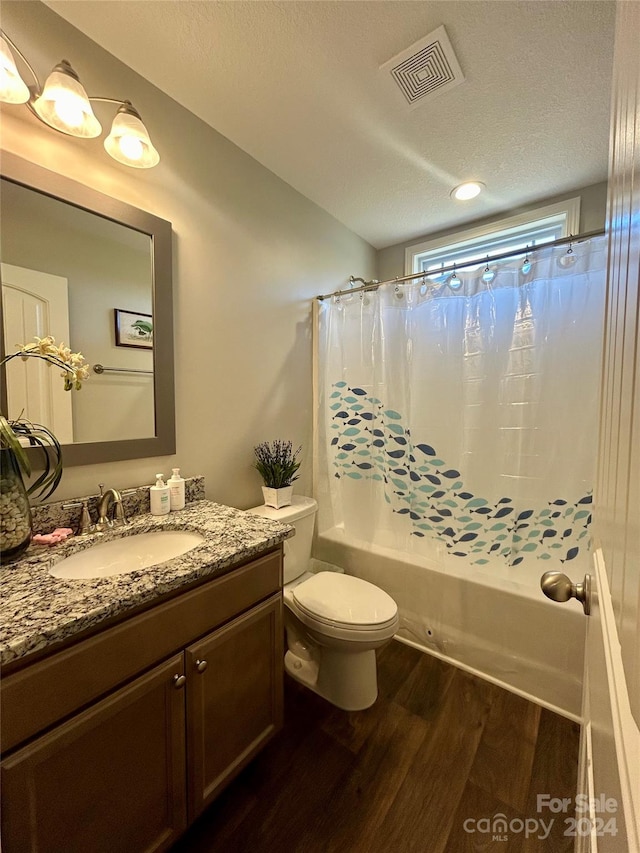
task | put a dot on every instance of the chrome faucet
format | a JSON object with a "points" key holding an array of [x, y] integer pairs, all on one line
{"points": [[106, 498]]}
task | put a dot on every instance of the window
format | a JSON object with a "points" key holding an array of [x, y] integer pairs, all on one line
{"points": [[517, 232]]}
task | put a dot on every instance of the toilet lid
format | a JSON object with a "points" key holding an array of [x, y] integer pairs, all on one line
{"points": [[345, 599]]}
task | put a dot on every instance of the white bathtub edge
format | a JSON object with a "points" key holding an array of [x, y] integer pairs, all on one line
{"points": [[492, 679]]}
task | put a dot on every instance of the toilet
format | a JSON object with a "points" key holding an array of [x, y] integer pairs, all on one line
{"points": [[334, 622]]}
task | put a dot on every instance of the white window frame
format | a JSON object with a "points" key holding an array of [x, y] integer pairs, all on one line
{"points": [[566, 213]]}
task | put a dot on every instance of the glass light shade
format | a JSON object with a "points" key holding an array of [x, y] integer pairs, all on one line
{"points": [[64, 104], [13, 89], [129, 142]]}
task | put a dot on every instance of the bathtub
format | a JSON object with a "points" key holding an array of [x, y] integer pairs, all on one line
{"points": [[491, 622]]}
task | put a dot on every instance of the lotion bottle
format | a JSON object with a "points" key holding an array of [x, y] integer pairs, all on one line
{"points": [[159, 497], [176, 489]]}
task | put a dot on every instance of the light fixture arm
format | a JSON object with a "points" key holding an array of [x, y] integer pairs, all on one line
{"points": [[125, 106], [109, 100]]}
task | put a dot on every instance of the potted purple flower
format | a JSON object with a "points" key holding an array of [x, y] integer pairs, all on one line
{"points": [[277, 464]]}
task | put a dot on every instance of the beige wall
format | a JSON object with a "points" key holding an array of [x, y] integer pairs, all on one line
{"points": [[592, 212], [249, 255]]}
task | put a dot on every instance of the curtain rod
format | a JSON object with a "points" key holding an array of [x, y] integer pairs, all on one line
{"points": [[374, 285]]}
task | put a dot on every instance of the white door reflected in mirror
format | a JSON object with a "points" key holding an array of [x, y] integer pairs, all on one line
{"points": [[34, 304]]}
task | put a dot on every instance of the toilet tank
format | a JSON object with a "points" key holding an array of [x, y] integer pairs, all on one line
{"points": [[297, 550]]}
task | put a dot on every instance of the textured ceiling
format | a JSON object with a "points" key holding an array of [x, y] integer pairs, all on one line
{"points": [[297, 85]]}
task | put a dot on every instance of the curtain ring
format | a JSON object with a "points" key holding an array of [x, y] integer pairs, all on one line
{"points": [[488, 275], [569, 258]]}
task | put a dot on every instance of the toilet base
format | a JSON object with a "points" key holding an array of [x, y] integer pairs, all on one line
{"points": [[348, 681]]}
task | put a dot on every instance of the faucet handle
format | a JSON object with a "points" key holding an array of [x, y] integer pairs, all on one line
{"points": [[86, 525], [101, 487]]}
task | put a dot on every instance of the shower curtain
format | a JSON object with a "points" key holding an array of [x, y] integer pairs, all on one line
{"points": [[459, 417]]}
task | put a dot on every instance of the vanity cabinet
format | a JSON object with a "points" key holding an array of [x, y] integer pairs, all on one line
{"points": [[111, 778], [129, 770], [233, 699]]}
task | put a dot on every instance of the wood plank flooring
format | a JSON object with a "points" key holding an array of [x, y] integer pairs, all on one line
{"points": [[440, 750]]}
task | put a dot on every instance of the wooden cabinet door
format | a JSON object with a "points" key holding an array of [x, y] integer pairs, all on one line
{"points": [[111, 778], [234, 698]]}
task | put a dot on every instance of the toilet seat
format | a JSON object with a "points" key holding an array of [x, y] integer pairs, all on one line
{"points": [[338, 600], [353, 635]]}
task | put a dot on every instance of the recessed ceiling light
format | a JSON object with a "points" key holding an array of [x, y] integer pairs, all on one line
{"points": [[464, 192]]}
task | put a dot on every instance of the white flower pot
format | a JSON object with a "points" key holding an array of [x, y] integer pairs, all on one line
{"points": [[277, 498]]}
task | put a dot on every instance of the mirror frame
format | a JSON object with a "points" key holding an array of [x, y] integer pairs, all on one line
{"points": [[34, 177]]}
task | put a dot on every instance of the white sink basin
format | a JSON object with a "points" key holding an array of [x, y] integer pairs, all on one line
{"points": [[128, 554]]}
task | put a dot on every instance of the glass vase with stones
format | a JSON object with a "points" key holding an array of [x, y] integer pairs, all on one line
{"points": [[15, 512]]}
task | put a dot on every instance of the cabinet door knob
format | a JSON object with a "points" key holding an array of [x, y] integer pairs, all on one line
{"points": [[179, 681], [201, 665]]}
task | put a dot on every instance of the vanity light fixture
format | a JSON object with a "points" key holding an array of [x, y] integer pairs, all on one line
{"points": [[64, 105], [467, 191]]}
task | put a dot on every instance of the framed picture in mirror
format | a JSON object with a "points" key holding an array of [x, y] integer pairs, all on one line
{"points": [[133, 329]]}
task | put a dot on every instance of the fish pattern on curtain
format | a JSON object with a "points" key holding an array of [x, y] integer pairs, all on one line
{"points": [[372, 442], [468, 416]]}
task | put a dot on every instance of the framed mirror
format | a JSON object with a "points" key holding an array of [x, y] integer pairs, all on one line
{"points": [[95, 273]]}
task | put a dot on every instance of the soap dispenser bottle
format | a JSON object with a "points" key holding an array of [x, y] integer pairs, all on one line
{"points": [[159, 497], [176, 489]]}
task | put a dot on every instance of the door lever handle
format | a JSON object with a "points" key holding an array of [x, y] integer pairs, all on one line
{"points": [[558, 587]]}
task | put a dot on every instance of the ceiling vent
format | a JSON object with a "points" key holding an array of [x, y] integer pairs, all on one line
{"points": [[426, 69]]}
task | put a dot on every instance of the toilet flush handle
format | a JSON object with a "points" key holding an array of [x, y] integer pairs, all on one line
{"points": [[201, 665]]}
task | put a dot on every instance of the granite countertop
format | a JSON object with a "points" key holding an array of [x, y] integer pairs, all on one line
{"points": [[37, 610]]}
